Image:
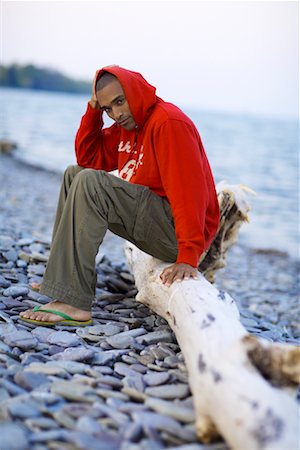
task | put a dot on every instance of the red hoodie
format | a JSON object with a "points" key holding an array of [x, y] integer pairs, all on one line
{"points": [[165, 153]]}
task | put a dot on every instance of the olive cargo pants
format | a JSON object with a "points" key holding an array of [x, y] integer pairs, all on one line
{"points": [[92, 201]]}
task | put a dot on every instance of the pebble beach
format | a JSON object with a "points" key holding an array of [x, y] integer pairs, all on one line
{"points": [[121, 383]]}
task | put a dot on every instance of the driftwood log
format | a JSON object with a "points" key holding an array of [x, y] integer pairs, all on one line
{"points": [[239, 382]]}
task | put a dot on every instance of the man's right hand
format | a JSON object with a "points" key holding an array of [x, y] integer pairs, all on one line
{"points": [[93, 101]]}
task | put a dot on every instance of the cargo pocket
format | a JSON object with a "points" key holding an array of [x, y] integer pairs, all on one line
{"points": [[143, 219]]}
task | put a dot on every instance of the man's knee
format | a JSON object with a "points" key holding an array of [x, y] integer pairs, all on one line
{"points": [[90, 179], [71, 172]]}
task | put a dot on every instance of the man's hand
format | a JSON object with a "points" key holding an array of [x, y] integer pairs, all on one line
{"points": [[178, 272], [93, 101]]}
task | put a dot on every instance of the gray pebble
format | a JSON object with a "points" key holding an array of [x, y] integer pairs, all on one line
{"points": [[23, 410], [75, 354], [103, 441], [119, 341], [156, 336], [63, 339], [48, 368], [49, 435], [168, 392], [42, 333], [4, 283], [11, 255], [15, 291], [22, 339], [74, 391], [156, 378], [134, 381], [6, 242], [89, 425], [123, 369], [43, 423], [29, 380], [13, 436], [172, 409]]}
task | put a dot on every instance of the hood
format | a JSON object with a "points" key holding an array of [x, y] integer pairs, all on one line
{"points": [[139, 93]]}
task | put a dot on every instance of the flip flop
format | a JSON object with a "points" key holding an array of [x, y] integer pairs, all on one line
{"points": [[67, 319]]}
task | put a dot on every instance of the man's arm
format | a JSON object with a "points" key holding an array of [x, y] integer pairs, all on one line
{"points": [[189, 186], [96, 147]]}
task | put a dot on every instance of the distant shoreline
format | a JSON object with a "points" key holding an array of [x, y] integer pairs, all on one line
{"points": [[40, 79]]}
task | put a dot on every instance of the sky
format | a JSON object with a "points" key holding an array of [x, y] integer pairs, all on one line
{"points": [[228, 56]]}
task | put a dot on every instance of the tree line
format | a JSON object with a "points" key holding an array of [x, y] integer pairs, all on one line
{"points": [[32, 77]]}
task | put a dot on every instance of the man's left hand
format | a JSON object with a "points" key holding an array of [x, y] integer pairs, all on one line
{"points": [[178, 272]]}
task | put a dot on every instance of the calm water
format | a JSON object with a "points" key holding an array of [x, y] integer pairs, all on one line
{"points": [[261, 153]]}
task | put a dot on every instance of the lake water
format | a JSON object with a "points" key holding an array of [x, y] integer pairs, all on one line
{"points": [[259, 152]]}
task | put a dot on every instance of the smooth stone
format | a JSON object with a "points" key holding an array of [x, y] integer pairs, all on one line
{"points": [[13, 436], [22, 339], [63, 339], [15, 291], [123, 369], [23, 410], [133, 432], [134, 394], [21, 264], [36, 247], [73, 367], [110, 381], [171, 409], [75, 354], [156, 378], [103, 441], [29, 380], [106, 393], [49, 435], [248, 322], [42, 333], [48, 368], [11, 255], [138, 368], [161, 423], [41, 423], [119, 341], [119, 417], [12, 303], [88, 425], [11, 388], [103, 358], [36, 269], [63, 419], [24, 256], [24, 241], [134, 381], [170, 391], [39, 257], [4, 395], [156, 336], [4, 283], [74, 391], [6, 242], [129, 407], [108, 329]]}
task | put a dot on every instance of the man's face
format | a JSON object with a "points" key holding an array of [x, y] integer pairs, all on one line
{"points": [[112, 100]]}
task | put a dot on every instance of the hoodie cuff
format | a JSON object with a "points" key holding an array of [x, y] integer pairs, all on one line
{"points": [[189, 255], [93, 115]]}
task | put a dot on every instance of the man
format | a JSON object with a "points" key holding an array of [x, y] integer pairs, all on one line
{"points": [[164, 199]]}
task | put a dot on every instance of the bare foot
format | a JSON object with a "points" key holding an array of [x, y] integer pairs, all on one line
{"points": [[74, 313]]}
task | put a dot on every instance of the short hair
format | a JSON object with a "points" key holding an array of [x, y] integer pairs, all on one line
{"points": [[104, 80]]}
